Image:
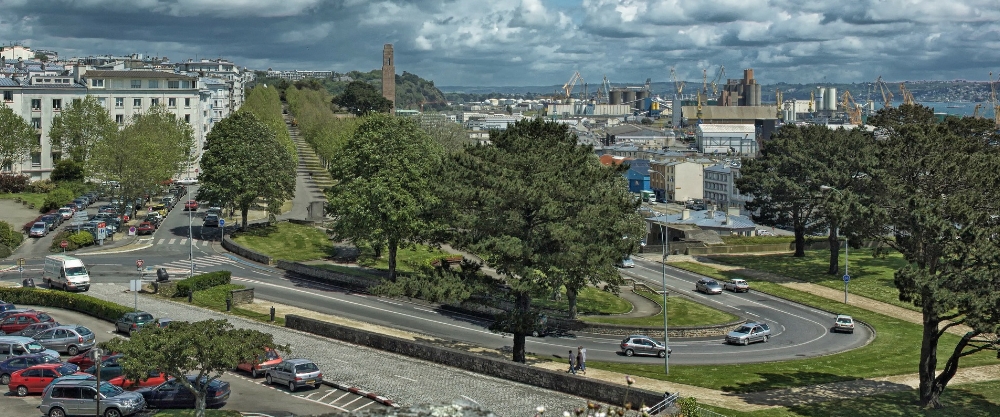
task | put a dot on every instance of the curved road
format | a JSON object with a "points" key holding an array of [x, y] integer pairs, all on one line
{"points": [[797, 331]]}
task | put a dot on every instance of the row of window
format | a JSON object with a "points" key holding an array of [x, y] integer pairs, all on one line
{"points": [[172, 84], [716, 176], [716, 186], [137, 102]]}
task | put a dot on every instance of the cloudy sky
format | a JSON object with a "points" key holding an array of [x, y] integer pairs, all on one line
{"points": [[537, 42]]}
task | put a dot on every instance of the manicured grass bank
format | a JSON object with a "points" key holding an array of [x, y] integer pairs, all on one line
{"points": [[681, 312], [288, 241]]}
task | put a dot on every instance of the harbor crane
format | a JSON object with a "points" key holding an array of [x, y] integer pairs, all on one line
{"points": [[975, 111], [718, 77], [852, 108], [907, 96], [778, 100], [568, 87], [678, 85], [883, 88]]}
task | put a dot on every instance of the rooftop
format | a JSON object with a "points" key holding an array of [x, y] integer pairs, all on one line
{"points": [[137, 74], [720, 128]]}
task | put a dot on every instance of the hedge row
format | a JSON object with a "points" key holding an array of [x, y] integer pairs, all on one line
{"points": [[71, 301], [202, 282]]}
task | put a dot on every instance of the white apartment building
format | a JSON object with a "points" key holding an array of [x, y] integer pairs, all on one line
{"points": [[38, 100], [677, 180], [720, 187]]}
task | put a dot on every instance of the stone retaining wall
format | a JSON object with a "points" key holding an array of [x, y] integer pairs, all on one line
{"points": [[328, 276], [244, 296], [592, 389], [231, 246]]}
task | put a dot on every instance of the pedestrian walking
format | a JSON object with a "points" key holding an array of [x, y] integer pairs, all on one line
{"points": [[572, 362], [581, 359]]}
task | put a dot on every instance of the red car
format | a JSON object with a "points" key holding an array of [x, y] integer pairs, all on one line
{"points": [[153, 379], [84, 360], [267, 360], [145, 228], [33, 380], [191, 205], [16, 322]]}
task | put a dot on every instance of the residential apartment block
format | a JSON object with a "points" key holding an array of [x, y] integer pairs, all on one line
{"points": [[676, 180], [720, 187]]}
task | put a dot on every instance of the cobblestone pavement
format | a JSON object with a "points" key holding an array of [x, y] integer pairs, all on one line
{"points": [[404, 380]]}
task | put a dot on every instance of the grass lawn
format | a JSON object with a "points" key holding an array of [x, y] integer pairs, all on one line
{"points": [[348, 270], [405, 257], [38, 199], [215, 299], [590, 300], [288, 241], [870, 277], [967, 400], [894, 351], [682, 312]]}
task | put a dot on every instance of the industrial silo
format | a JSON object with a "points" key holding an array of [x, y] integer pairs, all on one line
{"points": [[757, 93], [615, 97], [751, 95], [628, 97], [831, 99], [818, 103]]}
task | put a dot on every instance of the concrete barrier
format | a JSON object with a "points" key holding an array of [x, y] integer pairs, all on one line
{"points": [[596, 390], [244, 296]]}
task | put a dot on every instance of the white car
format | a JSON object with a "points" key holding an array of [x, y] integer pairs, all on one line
{"points": [[844, 323], [187, 181]]}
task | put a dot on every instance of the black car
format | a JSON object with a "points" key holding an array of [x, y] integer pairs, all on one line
{"points": [[53, 220], [211, 220], [110, 368], [172, 394]]}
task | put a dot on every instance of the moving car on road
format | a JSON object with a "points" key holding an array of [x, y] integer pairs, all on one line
{"points": [[295, 373], [191, 205], [211, 220], [172, 394], [145, 228], [33, 380], [643, 345], [708, 286], [749, 333], [627, 262], [736, 285], [844, 323]]}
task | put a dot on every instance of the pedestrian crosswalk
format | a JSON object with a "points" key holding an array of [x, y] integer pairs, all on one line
{"points": [[182, 241], [200, 263]]}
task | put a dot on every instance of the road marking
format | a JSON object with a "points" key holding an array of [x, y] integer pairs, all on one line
{"points": [[171, 242], [351, 402], [204, 243], [183, 241], [160, 242], [327, 394], [424, 309], [470, 399], [403, 377], [346, 393]]}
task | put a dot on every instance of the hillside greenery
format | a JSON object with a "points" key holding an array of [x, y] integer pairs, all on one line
{"points": [[412, 91]]}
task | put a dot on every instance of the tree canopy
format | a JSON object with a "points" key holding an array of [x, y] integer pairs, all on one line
{"points": [[244, 161], [17, 137], [385, 177], [80, 126], [205, 349], [360, 98]]}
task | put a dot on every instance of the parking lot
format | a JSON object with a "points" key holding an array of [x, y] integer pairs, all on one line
{"points": [[248, 394]]}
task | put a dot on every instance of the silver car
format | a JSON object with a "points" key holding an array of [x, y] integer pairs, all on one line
{"points": [[643, 345], [70, 338], [75, 397], [295, 373], [708, 286], [749, 333]]}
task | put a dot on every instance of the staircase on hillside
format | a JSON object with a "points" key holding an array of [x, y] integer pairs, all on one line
{"points": [[309, 162]]}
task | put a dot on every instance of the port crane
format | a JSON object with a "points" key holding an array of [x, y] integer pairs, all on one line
{"points": [[975, 111], [568, 87], [852, 108], [907, 96], [718, 77], [883, 88], [678, 85], [778, 100]]}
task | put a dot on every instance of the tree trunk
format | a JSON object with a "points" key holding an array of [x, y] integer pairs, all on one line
{"points": [[244, 213], [800, 241], [949, 371], [199, 405], [393, 247], [834, 251], [571, 292], [929, 392], [523, 306]]}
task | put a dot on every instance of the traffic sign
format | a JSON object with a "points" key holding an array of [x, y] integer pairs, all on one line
{"points": [[20, 269], [20, 261], [63, 244], [138, 263], [222, 223], [847, 278], [131, 231]]}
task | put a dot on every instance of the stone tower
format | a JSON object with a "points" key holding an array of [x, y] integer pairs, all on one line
{"points": [[389, 76]]}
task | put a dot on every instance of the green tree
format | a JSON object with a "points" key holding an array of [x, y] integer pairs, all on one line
{"points": [[939, 186], [67, 170], [450, 135], [152, 148], [518, 202], [782, 182], [10, 237], [385, 175], [17, 137], [205, 349], [360, 98], [80, 126], [243, 162]]}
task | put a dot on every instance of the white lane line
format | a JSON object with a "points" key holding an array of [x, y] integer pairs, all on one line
{"points": [[390, 302], [327, 395], [363, 406], [346, 393], [351, 402], [317, 402], [424, 309], [403, 377]]}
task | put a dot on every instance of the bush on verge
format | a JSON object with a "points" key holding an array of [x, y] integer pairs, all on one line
{"points": [[71, 301], [201, 282]]}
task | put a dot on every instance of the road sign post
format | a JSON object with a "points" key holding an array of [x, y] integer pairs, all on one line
{"points": [[63, 245], [20, 267], [847, 280], [96, 354], [222, 225]]}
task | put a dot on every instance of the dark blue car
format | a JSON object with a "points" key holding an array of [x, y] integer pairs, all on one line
{"points": [[17, 363], [172, 394]]}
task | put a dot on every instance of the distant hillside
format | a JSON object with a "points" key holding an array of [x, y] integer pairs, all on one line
{"points": [[411, 90]]}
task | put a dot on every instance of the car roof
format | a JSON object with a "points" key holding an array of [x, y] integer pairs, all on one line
{"points": [[843, 315], [298, 361]]}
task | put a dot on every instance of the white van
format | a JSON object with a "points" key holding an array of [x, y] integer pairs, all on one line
{"points": [[66, 272]]}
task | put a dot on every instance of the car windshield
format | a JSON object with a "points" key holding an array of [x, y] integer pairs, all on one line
{"points": [[108, 390], [83, 331], [144, 317], [35, 347], [75, 271], [712, 284], [38, 225], [66, 369], [843, 319], [743, 329], [271, 355], [306, 367], [49, 359]]}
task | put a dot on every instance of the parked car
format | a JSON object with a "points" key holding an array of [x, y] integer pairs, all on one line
{"points": [[34, 329], [844, 323], [18, 321], [153, 378], [17, 363], [76, 397], [71, 339], [267, 360], [191, 205], [5, 306], [84, 360], [187, 181], [110, 368], [154, 218], [53, 220], [33, 380], [132, 322], [172, 394], [749, 333], [211, 220], [169, 202], [736, 285], [627, 262], [145, 228], [708, 286], [295, 373], [66, 212], [39, 229], [643, 345]]}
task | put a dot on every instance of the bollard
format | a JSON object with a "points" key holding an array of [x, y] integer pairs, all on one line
{"points": [[190, 296], [272, 313], [229, 303]]}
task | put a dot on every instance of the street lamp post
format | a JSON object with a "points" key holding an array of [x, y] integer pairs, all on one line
{"points": [[663, 277], [847, 259], [190, 245]]}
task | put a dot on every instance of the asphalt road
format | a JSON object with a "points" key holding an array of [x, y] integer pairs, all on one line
{"points": [[248, 394], [798, 331]]}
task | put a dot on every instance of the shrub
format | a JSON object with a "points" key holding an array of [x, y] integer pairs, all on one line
{"points": [[61, 236], [5, 251], [67, 170], [10, 237], [42, 187], [14, 183], [201, 282], [81, 238], [57, 198], [71, 301]]}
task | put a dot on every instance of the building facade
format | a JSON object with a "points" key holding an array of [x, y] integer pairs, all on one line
{"points": [[720, 187], [678, 181]]}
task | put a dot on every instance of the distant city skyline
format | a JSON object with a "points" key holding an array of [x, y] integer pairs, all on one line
{"points": [[537, 42]]}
